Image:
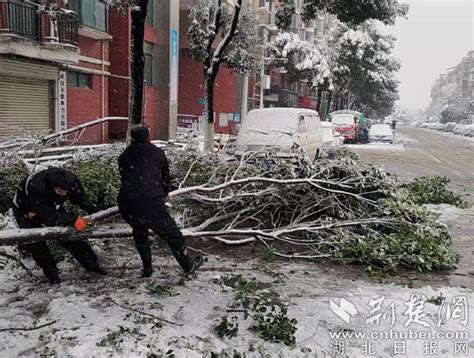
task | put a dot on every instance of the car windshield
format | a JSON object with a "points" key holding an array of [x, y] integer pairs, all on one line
{"points": [[266, 123], [346, 120]]}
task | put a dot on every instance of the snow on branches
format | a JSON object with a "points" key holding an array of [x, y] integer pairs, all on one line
{"points": [[339, 208], [350, 12], [234, 29], [221, 34], [355, 60], [301, 59]]}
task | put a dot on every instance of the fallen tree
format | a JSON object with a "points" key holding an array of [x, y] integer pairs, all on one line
{"points": [[340, 209]]}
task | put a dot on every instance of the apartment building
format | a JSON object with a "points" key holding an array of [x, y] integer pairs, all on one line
{"points": [[60, 71], [458, 81], [71, 66]]}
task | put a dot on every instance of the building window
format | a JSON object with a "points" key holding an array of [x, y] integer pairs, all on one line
{"points": [[79, 79], [92, 13], [148, 72], [149, 14], [301, 89]]}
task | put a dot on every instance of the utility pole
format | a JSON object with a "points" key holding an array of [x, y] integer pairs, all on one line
{"points": [[262, 74], [245, 95]]}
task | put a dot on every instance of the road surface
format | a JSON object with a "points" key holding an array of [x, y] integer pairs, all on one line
{"points": [[424, 152]]}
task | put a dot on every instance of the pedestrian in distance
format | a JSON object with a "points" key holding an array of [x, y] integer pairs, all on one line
{"points": [[39, 202], [144, 171]]}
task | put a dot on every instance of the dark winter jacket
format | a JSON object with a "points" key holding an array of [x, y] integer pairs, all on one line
{"points": [[36, 204], [144, 171]]}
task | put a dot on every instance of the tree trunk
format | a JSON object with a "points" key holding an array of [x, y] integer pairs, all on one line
{"points": [[209, 111], [137, 63], [211, 69], [318, 98], [328, 110]]}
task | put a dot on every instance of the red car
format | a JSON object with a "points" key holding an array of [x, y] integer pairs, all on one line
{"points": [[346, 124]]}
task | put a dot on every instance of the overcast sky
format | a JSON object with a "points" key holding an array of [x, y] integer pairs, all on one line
{"points": [[436, 36]]}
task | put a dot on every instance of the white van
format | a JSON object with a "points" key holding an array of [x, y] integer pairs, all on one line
{"points": [[331, 137], [284, 129]]}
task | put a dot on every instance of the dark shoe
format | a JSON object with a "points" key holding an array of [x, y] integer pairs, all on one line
{"points": [[54, 280], [197, 262], [147, 272], [98, 270], [188, 263], [52, 275]]}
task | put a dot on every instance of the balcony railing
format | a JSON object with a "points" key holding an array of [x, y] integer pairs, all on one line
{"points": [[24, 19], [285, 98]]}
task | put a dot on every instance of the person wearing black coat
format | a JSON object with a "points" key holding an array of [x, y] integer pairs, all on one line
{"points": [[39, 202], [145, 186]]}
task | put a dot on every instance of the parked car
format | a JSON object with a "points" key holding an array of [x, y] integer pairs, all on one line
{"points": [[346, 124], [381, 133], [466, 130], [459, 128], [282, 129], [359, 115], [439, 126], [450, 126], [331, 137]]}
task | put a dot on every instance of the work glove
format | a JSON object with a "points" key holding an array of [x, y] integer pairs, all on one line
{"points": [[80, 224]]}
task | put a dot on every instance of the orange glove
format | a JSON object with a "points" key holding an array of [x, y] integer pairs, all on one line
{"points": [[80, 224]]}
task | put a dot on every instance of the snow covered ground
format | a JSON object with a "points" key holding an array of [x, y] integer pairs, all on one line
{"points": [[93, 315], [396, 147], [456, 136]]}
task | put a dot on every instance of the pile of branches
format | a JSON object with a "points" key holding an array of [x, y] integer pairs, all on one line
{"points": [[336, 208]]}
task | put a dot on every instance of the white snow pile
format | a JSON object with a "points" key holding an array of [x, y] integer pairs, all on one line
{"points": [[377, 147]]}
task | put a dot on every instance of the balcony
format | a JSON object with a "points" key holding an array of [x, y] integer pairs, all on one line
{"points": [[27, 32], [282, 97]]}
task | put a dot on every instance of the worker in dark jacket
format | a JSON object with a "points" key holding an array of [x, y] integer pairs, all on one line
{"points": [[145, 187], [39, 202]]}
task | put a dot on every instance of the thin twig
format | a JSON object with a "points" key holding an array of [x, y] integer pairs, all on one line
{"points": [[27, 328], [142, 312], [18, 261], [202, 252]]}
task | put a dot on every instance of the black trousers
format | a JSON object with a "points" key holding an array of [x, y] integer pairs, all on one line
{"points": [[150, 214], [80, 250]]}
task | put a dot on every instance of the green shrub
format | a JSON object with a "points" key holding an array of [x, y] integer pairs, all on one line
{"points": [[340, 152], [10, 176], [270, 318], [100, 178], [227, 328]]}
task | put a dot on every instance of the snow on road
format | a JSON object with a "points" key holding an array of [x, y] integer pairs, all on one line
{"points": [[88, 321], [396, 147]]}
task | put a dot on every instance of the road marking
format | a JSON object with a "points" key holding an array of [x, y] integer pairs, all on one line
{"points": [[434, 158]]}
